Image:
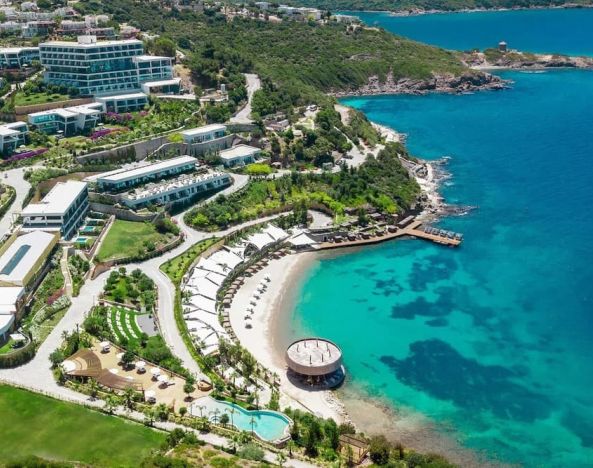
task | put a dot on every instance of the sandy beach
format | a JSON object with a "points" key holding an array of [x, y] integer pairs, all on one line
{"points": [[265, 342]]}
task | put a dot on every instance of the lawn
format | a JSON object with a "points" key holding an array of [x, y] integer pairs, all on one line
{"points": [[122, 327], [21, 99], [129, 239], [36, 425]]}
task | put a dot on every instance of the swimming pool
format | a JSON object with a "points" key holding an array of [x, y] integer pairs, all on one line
{"points": [[88, 230], [81, 240], [268, 425]]}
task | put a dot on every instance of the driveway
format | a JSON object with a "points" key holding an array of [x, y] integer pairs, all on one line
{"points": [[243, 116]]}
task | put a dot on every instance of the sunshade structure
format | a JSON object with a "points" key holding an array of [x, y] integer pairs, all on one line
{"points": [[85, 363]]}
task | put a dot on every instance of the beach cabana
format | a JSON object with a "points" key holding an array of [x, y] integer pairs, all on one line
{"points": [[150, 396], [105, 346], [141, 367], [155, 372], [163, 380]]}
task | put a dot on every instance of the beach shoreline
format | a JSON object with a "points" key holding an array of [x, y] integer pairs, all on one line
{"points": [[266, 338]]}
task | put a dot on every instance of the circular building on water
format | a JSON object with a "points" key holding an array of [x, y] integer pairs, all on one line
{"points": [[317, 361]]}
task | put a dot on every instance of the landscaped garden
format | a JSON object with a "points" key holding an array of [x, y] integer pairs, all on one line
{"points": [[37, 425], [7, 195], [381, 182], [134, 290], [124, 324], [133, 240], [178, 266]]}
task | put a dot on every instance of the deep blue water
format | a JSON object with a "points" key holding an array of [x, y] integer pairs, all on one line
{"points": [[492, 341], [555, 31]]}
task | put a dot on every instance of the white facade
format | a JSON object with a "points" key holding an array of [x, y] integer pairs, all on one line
{"points": [[127, 178], [239, 155], [62, 209], [203, 134], [12, 135], [177, 190]]}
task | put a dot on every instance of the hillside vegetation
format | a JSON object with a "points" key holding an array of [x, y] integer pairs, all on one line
{"points": [[298, 62], [441, 5]]}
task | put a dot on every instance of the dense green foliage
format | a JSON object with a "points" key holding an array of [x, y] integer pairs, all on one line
{"points": [[38, 425], [441, 5], [298, 62], [135, 289], [382, 182]]}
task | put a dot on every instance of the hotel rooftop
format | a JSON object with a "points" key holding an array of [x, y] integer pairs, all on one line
{"points": [[203, 130], [58, 200], [24, 257], [149, 169]]}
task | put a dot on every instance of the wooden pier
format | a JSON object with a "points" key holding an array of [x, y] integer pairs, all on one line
{"points": [[411, 230]]}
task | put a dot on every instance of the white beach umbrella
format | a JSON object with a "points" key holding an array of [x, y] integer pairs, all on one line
{"points": [[119, 356], [163, 379], [140, 365], [155, 371]]}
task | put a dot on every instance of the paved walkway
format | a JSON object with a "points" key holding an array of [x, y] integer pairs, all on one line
{"points": [[14, 178], [243, 116]]}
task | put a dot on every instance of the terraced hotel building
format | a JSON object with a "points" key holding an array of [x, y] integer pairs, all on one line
{"points": [[102, 67]]}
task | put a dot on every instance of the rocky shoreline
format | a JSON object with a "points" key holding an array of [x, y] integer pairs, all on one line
{"points": [[470, 81], [516, 60]]}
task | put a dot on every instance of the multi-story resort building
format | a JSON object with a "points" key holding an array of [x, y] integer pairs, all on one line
{"points": [[177, 190], [62, 209], [12, 135], [123, 102], [69, 120], [124, 179], [17, 57], [239, 155], [203, 134], [101, 67], [22, 260]]}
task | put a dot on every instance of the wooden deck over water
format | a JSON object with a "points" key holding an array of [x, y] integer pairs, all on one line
{"points": [[412, 230]]}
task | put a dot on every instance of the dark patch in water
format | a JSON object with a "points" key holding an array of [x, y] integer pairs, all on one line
{"points": [[436, 368], [387, 287], [435, 269], [438, 322], [420, 307], [580, 425]]}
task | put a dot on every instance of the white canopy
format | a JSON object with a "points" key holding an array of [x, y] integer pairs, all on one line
{"points": [[155, 371]]}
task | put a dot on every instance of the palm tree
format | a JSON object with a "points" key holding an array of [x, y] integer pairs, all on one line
{"points": [[256, 399], [149, 416], [252, 423], [232, 411], [111, 403], [128, 396], [290, 445], [201, 408], [216, 412], [280, 458], [93, 388]]}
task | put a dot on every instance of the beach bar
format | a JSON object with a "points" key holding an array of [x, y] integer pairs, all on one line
{"points": [[316, 360]]}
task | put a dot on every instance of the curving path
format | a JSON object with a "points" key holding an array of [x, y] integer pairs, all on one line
{"points": [[14, 178], [243, 116]]}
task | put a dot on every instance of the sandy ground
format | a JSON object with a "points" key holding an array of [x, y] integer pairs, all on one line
{"points": [[262, 339]]}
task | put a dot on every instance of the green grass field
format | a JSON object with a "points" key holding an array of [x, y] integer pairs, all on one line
{"points": [[120, 326], [36, 425], [128, 238], [21, 99]]}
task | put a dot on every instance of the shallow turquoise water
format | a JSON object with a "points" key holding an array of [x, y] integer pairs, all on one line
{"points": [[560, 31], [493, 339]]}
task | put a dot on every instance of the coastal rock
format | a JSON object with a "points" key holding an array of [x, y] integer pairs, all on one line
{"points": [[516, 60], [443, 83]]}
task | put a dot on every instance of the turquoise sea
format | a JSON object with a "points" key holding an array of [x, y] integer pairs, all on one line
{"points": [[492, 342], [565, 31]]}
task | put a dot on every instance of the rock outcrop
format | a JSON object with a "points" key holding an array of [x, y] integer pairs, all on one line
{"points": [[438, 83]]}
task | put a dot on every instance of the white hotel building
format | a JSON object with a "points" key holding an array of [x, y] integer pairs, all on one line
{"points": [[62, 209], [103, 67]]}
